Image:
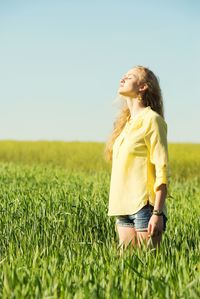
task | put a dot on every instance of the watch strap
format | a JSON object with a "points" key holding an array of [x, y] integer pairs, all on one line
{"points": [[157, 212]]}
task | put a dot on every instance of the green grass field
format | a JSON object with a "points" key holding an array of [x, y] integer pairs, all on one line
{"points": [[58, 242]]}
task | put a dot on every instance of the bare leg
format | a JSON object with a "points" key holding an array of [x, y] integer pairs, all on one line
{"points": [[126, 235], [142, 237]]}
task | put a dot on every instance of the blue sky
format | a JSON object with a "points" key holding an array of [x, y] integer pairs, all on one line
{"points": [[61, 62]]}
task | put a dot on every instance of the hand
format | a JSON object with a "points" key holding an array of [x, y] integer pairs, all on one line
{"points": [[155, 225]]}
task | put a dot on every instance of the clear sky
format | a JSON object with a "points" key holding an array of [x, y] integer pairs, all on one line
{"points": [[61, 62]]}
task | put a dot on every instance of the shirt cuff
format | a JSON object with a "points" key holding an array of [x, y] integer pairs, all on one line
{"points": [[162, 177], [159, 181]]}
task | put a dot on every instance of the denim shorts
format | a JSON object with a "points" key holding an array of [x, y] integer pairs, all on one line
{"points": [[139, 220]]}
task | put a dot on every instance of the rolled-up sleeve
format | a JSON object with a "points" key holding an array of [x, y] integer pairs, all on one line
{"points": [[156, 140]]}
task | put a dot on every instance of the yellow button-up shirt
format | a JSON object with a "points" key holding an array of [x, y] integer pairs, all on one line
{"points": [[139, 163]]}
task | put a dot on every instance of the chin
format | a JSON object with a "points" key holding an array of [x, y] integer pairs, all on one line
{"points": [[120, 89]]}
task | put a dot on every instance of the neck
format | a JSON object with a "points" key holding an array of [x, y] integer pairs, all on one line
{"points": [[134, 106]]}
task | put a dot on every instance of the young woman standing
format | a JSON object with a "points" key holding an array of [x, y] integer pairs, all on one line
{"points": [[139, 152]]}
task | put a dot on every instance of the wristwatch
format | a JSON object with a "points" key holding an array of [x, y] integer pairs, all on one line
{"points": [[157, 212]]}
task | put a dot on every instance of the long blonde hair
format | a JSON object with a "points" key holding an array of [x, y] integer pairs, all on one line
{"points": [[151, 97]]}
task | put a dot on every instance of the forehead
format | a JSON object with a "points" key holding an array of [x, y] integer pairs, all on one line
{"points": [[131, 72]]}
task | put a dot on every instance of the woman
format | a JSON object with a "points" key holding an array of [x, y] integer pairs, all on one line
{"points": [[140, 170]]}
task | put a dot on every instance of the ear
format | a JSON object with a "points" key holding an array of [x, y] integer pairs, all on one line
{"points": [[143, 87]]}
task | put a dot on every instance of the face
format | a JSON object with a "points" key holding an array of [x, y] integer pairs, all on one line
{"points": [[129, 84]]}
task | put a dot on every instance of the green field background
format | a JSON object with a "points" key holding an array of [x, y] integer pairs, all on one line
{"points": [[58, 242]]}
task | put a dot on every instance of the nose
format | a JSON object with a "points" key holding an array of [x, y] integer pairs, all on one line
{"points": [[122, 80]]}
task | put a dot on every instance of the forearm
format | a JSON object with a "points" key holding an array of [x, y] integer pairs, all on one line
{"points": [[161, 194]]}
